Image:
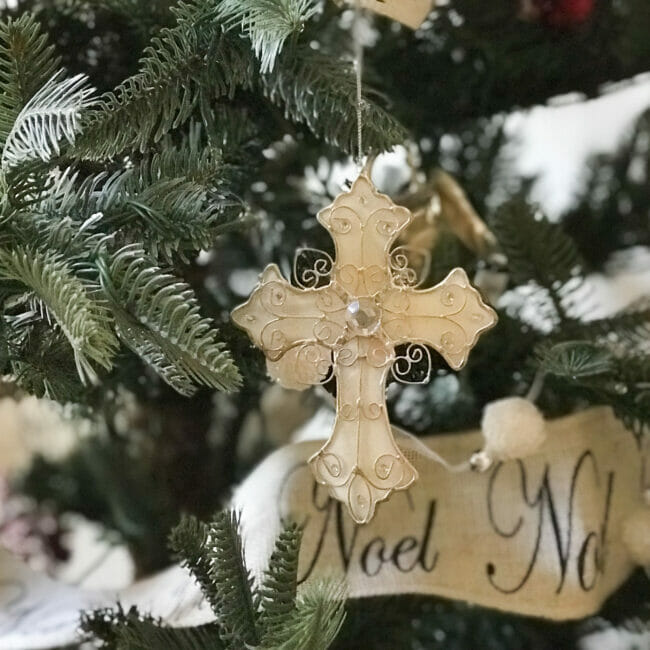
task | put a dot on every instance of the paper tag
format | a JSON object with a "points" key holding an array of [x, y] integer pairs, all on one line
{"points": [[408, 12], [539, 537]]}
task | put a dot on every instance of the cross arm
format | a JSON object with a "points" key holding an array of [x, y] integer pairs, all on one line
{"points": [[295, 328], [448, 317]]}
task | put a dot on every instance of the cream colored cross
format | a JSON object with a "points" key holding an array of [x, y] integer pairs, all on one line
{"points": [[351, 326]]}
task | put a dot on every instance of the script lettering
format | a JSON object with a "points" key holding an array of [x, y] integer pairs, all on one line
{"points": [[406, 554], [589, 558]]}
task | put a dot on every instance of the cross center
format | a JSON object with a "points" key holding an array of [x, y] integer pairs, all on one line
{"points": [[363, 316]]}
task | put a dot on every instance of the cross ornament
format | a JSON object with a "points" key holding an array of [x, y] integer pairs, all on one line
{"points": [[349, 329]]}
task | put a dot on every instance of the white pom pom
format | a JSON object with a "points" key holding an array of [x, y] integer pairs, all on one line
{"points": [[513, 428], [636, 535]]}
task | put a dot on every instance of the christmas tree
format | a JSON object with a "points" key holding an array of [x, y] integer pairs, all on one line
{"points": [[156, 156]]}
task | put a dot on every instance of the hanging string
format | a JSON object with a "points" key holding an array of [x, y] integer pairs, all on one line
{"points": [[417, 446], [358, 66]]}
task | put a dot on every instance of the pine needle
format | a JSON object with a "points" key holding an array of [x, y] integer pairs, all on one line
{"points": [[50, 116], [26, 63], [278, 591], [85, 322], [157, 316], [267, 23]]}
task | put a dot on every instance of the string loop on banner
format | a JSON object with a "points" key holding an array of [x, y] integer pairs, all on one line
{"points": [[426, 452]]}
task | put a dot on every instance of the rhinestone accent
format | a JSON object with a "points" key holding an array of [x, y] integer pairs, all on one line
{"points": [[363, 316]]}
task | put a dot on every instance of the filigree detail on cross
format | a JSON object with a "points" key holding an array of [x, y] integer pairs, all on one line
{"points": [[349, 328]]}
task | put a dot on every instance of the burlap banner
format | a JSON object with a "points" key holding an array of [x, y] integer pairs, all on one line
{"points": [[539, 537]]}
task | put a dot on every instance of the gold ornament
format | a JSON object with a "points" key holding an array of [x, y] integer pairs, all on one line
{"points": [[349, 329], [441, 204]]}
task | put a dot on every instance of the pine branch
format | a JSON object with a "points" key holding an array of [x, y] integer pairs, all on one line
{"points": [[168, 215], [195, 63], [157, 316], [146, 635], [539, 253], [189, 543], [626, 331], [26, 63], [278, 591], [175, 201], [267, 23], [154, 351], [193, 159], [85, 323], [185, 63], [595, 373], [41, 365], [120, 630], [25, 184], [574, 360], [319, 90], [50, 116], [63, 217], [232, 584], [213, 553], [316, 620]]}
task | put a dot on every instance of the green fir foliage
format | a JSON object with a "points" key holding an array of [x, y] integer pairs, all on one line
{"points": [[606, 361], [158, 317], [267, 23], [27, 61], [278, 590], [272, 617], [540, 255]]}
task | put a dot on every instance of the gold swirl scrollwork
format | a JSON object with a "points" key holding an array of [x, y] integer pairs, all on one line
{"points": [[331, 469], [277, 294], [360, 498], [378, 354], [372, 411], [396, 302], [384, 466], [387, 226], [310, 358], [273, 338], [375, 278], [327, 332], [348, 277], [346, 356], [312, 268], [404, 260], [414, 366], [451, 343], [341, 220], [453, 296], [332, 464], [349, 412]]}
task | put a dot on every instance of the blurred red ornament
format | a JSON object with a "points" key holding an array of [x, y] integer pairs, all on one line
{"points": [[557, 13]]}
